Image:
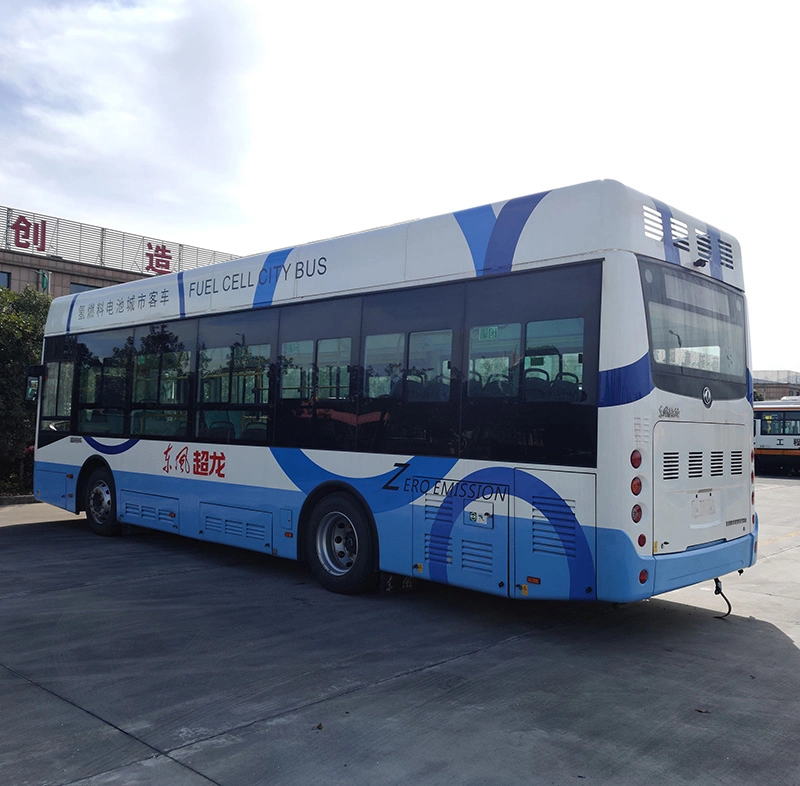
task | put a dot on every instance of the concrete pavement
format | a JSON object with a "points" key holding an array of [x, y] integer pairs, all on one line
{"points": [[149, 659]]}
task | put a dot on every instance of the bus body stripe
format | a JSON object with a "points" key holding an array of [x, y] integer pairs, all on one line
{"points": [[265, 291], [716, 259], [526, 487], [477, 224], [110, 450], [626, 384], [493, 241], [671, 253], [69, 316], [507, 231], [182, 295]]}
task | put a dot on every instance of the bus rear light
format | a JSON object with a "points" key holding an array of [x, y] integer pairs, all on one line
{"points": [[636, 513], [752, 456], [752, 476], [643, 577], [753, 498], [636, 459], [642, 539], [636, 486]]}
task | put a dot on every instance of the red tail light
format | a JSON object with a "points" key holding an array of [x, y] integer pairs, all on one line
{"points": [[636, 459], [636, 513], [636, 486]]}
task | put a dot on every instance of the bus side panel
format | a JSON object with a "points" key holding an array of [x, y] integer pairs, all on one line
{"points": [[246, 516], [554, 544], [461, 530], [55, 484]]}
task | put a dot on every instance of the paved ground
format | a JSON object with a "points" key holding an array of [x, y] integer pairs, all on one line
{"points": [[147, 659]]}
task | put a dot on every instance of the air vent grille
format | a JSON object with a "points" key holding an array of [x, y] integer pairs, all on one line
{"points": [[671, 466], [438, 508], [476, 556], [726, 254], [653, 226], [703, 245], [438, 549], [680, 234], [698, 464], [553, 526]]}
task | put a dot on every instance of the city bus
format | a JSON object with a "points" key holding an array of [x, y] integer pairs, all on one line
{"points": [[548, 397], [777, 435]]}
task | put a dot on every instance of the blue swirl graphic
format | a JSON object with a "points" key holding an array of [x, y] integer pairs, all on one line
{"points": [[110, 450], [525, 487]]}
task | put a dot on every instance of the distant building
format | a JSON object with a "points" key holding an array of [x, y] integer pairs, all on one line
{"points": [[774, 385], [63, 257]]}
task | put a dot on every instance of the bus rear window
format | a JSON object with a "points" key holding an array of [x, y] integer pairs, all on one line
{"points": [[696, 329]]}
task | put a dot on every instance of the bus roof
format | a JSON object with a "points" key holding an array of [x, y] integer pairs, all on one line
{"points": [[585, 219], [788, 404]]}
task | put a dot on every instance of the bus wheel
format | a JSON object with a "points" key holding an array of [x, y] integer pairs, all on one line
{"points": [[101, 506], [340, 546]]}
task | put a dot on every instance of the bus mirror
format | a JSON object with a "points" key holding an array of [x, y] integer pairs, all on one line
{"points": [[34, 375], [32, 389]]}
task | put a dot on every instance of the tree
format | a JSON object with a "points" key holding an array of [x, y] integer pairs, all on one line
{"points": [[22, 318]]}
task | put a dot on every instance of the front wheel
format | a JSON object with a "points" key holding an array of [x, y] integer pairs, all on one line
{"points": [[341, 547], [101, 504]]}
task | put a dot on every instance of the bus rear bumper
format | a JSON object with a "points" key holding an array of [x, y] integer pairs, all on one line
{"points": [[673, 571], [627, 576]]}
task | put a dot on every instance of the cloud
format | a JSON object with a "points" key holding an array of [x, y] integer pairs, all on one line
{"points": [[118, 110]]}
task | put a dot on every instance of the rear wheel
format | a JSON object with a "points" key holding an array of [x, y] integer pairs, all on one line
{"points": [[341, 547], [100, 503]]}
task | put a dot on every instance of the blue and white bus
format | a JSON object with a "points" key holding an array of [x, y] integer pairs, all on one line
{"points": [[548, 397]]}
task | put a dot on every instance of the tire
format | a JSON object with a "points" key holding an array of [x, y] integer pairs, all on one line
{"points": [[341, 547], [100, 503]]}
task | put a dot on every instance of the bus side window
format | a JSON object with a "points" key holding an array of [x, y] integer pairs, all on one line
{"points": [[553, 367], [161, 376], [297, 369], [333, 368], [429, 361], [56, 396], [384, 367], [494, 352]]}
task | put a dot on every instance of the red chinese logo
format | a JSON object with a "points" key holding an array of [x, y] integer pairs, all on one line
{"points": [[158, 259], [22, 233], [204, 463], [208, 464]]}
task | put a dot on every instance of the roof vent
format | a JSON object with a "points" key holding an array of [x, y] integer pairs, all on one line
{"points": [[653, 227]]}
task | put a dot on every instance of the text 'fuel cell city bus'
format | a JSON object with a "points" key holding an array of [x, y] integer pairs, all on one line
{"points": [[548, 397]]}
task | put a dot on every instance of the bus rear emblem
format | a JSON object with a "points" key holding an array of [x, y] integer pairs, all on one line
{"points": [[707, 396]]}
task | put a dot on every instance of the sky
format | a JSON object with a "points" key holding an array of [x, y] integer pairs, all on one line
{"points": [[250, 125]]}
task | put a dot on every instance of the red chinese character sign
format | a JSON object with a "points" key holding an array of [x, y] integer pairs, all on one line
{"points": [[203, 462], [29, 234], [159, 259]]}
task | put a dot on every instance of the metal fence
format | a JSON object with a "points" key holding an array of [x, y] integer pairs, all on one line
{"points": [[59, 238], [778, 377]]}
